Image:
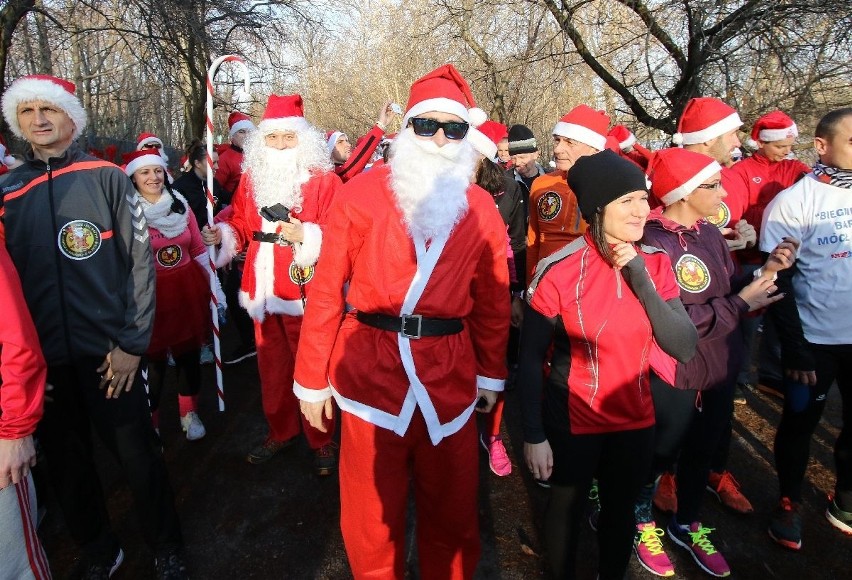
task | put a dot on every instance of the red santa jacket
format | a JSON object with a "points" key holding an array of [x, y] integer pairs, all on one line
{"points": [[21, 362], [273, 273], [230, 168], [382, 376]]}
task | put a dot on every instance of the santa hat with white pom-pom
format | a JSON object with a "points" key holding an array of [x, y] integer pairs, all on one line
{"points": [[443, 90], [774, 126], [703, 119]]}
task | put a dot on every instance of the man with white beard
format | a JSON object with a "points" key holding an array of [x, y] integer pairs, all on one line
{"points": [[279, 209], [424, 254]]}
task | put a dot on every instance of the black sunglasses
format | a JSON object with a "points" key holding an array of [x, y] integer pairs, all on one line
{"points": [[454, 130]]}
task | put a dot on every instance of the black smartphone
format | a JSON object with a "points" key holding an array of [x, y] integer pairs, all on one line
{"points": [[275, 213]]}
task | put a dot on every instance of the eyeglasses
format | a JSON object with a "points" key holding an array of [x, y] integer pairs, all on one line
{"points": [[714, 185], [151, 146], [454, 130]]}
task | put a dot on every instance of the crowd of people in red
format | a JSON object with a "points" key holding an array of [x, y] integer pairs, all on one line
{"points": [[389, 292]]}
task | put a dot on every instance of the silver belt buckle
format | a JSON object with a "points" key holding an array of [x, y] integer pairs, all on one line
{"points": [[415, 317]]}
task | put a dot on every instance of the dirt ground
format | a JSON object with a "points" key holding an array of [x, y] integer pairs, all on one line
{"points": [[278, 520]]}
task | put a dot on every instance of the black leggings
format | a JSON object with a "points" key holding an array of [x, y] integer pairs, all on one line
{"points": [[124, 426], [188, 369], [793, 439], [620, 461], [689, 430]]}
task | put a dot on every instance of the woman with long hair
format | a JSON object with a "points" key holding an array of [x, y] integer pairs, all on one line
{"points": [[182, 317], [600, 304]]}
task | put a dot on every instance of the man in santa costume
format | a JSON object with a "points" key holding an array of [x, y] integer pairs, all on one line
{"points": [[287, 165], [424, 254], [554, 218], [231, 157]]}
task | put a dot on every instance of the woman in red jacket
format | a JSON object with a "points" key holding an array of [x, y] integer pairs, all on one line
{"points": [[601, 302], [183, 277]]}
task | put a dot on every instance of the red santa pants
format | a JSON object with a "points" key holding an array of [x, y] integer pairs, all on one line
{"points": [[277, 338], [376, 468]]}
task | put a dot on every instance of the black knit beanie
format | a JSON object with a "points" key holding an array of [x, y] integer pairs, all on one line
{"points": [[601, 178], [521, 140]]}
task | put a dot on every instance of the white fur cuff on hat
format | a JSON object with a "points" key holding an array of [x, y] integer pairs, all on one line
{"points": [[28, 90], [239, 126]]}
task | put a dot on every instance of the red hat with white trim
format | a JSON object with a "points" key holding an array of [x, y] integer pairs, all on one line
{"points": [[703, 119], [443, 90], [141, 158], [676, 172], [485, 137], [774, 126], [626, 139], [147, 139], [584, 124], [238, 121], [45, 88], [283, 113]]}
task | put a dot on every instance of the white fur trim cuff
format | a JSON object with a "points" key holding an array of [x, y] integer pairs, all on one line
{"points": [[490, 384], [729, 123], [27, 90], [440, 105], [311, 395], [628, 143], [307, 253], [691, 184], [581, 134], [228, 249], [332, 140]]}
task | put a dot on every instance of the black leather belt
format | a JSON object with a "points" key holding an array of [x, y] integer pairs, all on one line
{"points": [[412, 325], [270, 238]]}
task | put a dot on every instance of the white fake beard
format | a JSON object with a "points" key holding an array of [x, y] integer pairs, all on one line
{"points": [[430, 182], [277, 175]]}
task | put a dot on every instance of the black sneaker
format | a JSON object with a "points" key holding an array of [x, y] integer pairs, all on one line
{"points": [[103, 570], [785, 525], [240, 354], [838, 518], [170, 566]]}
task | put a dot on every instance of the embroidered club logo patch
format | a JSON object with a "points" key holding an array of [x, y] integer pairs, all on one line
{"points": [[169, 256], [549, 205], [79, 239], [692, 274], [721, 218], [299, 275]]}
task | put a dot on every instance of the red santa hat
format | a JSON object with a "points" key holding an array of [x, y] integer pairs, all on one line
{"points": [[676, 172], [486, 137], [703, 119], [56, 91], [626, 139], [147, 139], [283, 113], [141, 158], [443, 90], [238, 121], [584, 124], [774, 126], [331, 139]]}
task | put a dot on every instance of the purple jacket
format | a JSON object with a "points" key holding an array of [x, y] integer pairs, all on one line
{"points": [[706, 275]]}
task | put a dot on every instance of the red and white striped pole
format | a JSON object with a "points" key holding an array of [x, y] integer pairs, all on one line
{"points": [[211, 250]]}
